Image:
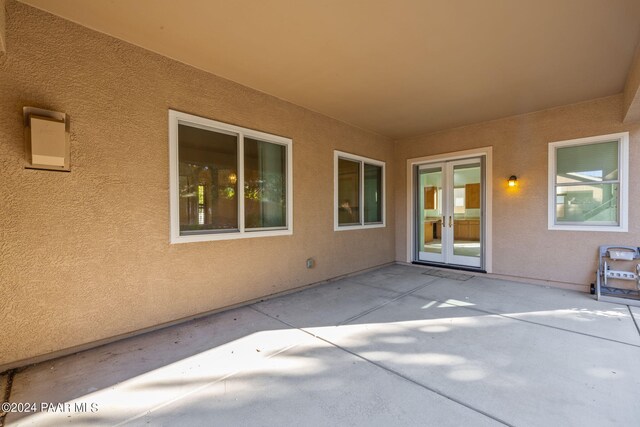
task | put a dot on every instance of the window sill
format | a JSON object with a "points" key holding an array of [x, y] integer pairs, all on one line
{"points": [[228, 236], [358, 227], [601, 228]]}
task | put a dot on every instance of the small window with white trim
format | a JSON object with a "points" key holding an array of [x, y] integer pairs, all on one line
{"points": [[227, 182], [358, 192], [588, 183]]}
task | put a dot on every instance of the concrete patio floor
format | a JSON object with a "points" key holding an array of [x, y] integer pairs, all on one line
{"points": [[392, 346]]}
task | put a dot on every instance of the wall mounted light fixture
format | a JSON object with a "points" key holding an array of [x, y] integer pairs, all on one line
{"points": [[513, 181], [47, 141]]}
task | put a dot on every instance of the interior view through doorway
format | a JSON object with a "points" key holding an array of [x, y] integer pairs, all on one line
{"points": [[450, 212]]}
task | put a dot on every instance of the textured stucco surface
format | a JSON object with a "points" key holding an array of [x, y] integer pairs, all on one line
{"points": [[631, 112], [85, 255], [522, 244]]}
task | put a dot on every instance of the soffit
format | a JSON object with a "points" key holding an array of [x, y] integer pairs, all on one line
{"points": [[396, 67]]}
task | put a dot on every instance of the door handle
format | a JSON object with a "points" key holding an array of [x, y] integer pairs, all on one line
{"points": [[444, 221], [449, 220]]}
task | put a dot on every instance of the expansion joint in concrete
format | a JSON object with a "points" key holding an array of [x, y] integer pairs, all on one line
{"points": [[389, 370], [635, 321]]}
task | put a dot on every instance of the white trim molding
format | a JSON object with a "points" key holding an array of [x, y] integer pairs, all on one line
{"points": [[176, 118], [487, 153], [336, 203], [623, 181], [3, 27]]}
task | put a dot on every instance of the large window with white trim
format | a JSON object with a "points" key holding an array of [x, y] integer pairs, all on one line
{"points": [[227, 182], [588, 181], [358, 192]]}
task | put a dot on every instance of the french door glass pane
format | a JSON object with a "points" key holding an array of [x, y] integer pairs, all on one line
{"points": [[587, 163], [207, 179], [466, 210], [348, 192], [372, 193], [265, 184], [431, 204], [594, 203]]}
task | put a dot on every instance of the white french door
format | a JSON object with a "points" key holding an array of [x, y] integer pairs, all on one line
{"points": [[450, 205]]}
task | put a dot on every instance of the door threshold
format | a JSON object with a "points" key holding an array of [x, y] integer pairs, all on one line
{"points": [[450, 266]]}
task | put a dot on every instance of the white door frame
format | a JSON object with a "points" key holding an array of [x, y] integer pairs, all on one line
{"points": [[447, 254], [487, 153]]}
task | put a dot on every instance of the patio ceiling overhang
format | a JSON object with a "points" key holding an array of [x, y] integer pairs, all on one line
{"points": [[397, 68]]}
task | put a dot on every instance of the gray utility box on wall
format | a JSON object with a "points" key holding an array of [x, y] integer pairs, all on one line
{"points": [[47, 142]]}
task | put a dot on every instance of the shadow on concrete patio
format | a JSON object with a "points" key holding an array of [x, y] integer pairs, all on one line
{"points": [[391, 346]]}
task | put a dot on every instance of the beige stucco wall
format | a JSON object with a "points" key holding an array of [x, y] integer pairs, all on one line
{"points": [[631, 108], [85, 255], [522, 244]]}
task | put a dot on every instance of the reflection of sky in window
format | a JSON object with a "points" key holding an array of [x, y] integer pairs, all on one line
{"points": [[588, 175]]}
